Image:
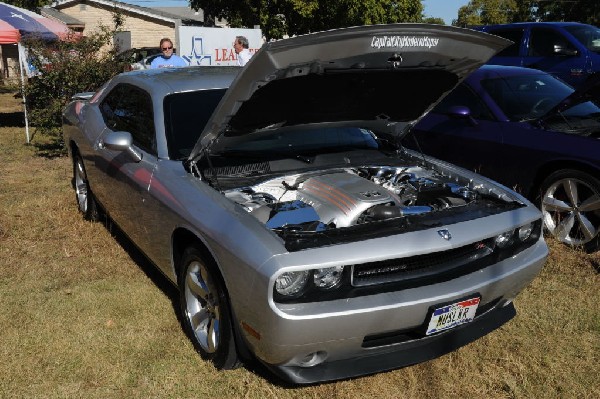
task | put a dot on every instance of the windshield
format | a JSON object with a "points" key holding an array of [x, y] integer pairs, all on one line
{"points": [[523, 97], [587, 35], [186, 115]]}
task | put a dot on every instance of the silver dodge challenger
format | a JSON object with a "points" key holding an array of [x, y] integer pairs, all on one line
{"points": [[280, 201]]}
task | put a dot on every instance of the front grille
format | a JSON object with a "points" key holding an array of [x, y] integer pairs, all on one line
{"points": [[420, 266]]}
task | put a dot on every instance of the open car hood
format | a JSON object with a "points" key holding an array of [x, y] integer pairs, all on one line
{"points": [[388, 75]]}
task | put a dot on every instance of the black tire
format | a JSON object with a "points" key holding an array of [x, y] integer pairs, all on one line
{"points": [[205, 310], [570, 204], [83, 194]]}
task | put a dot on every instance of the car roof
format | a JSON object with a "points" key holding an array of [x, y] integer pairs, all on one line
{"points": [[502, 71], [517, 24], [164, 81]]}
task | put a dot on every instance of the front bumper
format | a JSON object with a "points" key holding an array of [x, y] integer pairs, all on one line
{"points": [[409, 353], [312, 342]]}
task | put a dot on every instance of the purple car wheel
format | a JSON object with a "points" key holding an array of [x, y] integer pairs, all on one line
{"points": [[571, 208]]}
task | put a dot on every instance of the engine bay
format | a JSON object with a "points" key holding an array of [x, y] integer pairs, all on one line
{"points": [[332, 199]]}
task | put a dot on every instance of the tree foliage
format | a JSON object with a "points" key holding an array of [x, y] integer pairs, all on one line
{"points": [[278, 18], [586, 11], [485, 12], [65, 68], [32, 5], [434, 20]]}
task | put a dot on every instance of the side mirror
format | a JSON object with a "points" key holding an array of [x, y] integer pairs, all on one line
{"points": [[461, 112], [560, 49], [121, 141]]}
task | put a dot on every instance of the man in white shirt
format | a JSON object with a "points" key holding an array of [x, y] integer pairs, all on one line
{"points": [[240, 46]]}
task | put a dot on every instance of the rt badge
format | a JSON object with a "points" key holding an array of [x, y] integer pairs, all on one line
{"points": [[445, 234]]}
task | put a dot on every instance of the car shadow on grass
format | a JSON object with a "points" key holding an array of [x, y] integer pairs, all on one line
{"points": [[170, 291], [12, 119]]}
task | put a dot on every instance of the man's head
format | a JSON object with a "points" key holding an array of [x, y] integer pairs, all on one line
{"points": [[240, 43], [166, 47]]}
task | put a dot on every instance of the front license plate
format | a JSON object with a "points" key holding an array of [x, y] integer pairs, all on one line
{"points": [[453, 315]]}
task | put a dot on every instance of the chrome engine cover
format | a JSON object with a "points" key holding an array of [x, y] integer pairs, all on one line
{"points": [[347, 197], [341, 198]]}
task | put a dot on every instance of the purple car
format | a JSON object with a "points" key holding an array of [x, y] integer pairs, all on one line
{"points": [[531, 132]]}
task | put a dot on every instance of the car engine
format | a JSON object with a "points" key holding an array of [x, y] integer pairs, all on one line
{"points": [[339, 198]]}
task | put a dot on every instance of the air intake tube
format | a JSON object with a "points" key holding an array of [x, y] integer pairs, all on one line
{"points": [[382, 212]]}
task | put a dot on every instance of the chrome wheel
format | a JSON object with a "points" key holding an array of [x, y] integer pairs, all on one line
{"points": [[86, 203], [205, 311], [571, 208], [81, 190], [202, 307]]}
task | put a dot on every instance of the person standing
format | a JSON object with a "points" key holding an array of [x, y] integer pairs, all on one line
{"points": [[167, 58], [240, 46]]}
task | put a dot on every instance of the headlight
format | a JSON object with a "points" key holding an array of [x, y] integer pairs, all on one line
{"points": [[512, 242], [525, 232], [329, 277], [505, 239], [291, 283]]}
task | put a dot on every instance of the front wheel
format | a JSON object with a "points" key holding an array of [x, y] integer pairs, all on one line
{"points": [[570, 206], [83, 195], [205, 310]]}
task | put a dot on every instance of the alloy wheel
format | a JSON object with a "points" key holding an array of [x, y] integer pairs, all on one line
{"points": [[202, 307], [571, 211]]}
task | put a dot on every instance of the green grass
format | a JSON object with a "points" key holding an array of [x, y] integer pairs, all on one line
{"points": [[82, 316]]}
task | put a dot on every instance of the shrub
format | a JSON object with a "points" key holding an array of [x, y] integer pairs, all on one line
{"points": [[65, 68]]}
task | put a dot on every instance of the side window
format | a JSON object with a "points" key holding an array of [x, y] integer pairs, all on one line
{"points": [[129, 108], [544, 41], [514, 35], [463, 95]]}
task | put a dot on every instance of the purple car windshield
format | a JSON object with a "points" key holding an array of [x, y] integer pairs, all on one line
{"points": [[524, 97]]}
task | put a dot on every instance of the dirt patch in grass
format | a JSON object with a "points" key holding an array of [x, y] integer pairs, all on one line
{"points": [[83, 315]]}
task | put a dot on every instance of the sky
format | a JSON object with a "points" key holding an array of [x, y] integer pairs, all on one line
{"points": [[445, 9]]}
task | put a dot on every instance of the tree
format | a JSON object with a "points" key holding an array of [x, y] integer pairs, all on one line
{"points": [[278, 18], [481, 12], [432, 20], [486, 12], [32, 5], [65, 68], [586, 11]]}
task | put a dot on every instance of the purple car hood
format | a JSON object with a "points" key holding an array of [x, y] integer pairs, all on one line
{"points": [[389, 75]]}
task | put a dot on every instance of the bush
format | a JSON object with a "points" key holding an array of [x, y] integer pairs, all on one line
{"points": [[65, 68]]}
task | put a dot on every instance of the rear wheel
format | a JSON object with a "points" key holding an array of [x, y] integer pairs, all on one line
{"points": [[571, 208], [83, 195], [205, 310]]}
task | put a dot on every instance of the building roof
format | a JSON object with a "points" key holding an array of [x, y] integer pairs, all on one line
{"points": [[71, 22], [168, 14], [185, 13]]}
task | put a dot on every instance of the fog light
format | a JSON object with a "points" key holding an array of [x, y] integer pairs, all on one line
{"points": [[291, 283], [329, 277], [504, 240], [525, 231], [312, 359]]}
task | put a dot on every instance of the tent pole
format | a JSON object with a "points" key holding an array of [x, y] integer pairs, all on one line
{"points": [[23, 90]]}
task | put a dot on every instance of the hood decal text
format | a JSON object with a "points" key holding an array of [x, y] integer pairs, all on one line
{"points": [[404, 41]]}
